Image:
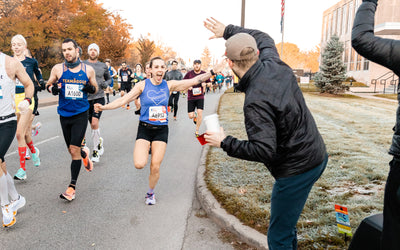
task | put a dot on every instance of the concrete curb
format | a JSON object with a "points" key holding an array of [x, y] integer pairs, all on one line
{"points": [[219, 215]]}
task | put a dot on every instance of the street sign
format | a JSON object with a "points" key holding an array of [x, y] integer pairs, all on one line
{"points": [[343, 220]]}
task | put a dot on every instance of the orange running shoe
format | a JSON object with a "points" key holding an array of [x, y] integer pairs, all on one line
{"points": [[128, 107], [69, 194], [86, 161]]}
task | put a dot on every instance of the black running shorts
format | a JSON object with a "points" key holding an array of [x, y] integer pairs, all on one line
{"points": [[126, 86], [74, 128], [152, 133], [102, 101], [7, 133], [192, 104]]}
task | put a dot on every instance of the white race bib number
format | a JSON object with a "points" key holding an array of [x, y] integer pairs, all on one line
{"points": [[196, 91], [73, 91], [124, 78], [158, 113]]}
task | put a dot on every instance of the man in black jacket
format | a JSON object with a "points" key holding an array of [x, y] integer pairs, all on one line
{"points": [[385, 52], [281, 131], [174, 74]]}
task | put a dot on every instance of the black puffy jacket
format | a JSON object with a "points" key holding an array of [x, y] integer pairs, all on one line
{"points": [[385, 52], [281, 131]]}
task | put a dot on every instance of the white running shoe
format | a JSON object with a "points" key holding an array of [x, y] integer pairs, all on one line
{"points": [[100, 146], [150, 199], [95, 156], [27, 155], [8, 216], [17, 204], [36, 128]]}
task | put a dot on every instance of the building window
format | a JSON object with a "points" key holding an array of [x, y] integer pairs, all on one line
{"points": [[358, 66], [344, 21], [352, 60], [334, 16], [339, 19], [350, 19], [366, 64]]}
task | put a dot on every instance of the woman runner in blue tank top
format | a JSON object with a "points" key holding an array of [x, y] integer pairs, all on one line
{"points": [[153, 125]]}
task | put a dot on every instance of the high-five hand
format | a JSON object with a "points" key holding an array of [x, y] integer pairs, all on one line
{"points": [[215, 27]]}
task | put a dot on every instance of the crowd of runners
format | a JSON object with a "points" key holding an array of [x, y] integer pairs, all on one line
{"points": [[83, 89]]}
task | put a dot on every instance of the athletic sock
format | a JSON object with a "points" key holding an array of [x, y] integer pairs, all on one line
{"points": [[31, 147], [4, 190], [151, 191], [22, 152], [96, 138], [11, 188], [75, 168]]}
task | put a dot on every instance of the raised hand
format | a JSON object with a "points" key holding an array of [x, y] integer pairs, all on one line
{"points": [[215, 27]]}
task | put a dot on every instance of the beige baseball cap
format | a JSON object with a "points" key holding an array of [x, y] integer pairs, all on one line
{"points": [[235, 44]]}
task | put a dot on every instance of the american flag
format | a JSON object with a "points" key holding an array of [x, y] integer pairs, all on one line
{"points": [[282, 13]]}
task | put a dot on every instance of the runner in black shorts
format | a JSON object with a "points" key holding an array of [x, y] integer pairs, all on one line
{"points": [[196, 96], [103, 80], [10, 71], [153, 121], [125, 74], [72, 81]]}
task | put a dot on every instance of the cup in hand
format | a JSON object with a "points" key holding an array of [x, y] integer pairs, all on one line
{"points": [[212, 123]]}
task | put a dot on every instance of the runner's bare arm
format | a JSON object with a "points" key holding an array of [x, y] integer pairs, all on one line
{"points": [[129, 97], [53, 75], [23, 77], [92, 77]]}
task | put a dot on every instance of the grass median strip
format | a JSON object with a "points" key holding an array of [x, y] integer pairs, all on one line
{"points": [[357, 133]]}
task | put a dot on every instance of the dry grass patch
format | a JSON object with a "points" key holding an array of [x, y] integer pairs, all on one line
{"points": [[357, 133]]}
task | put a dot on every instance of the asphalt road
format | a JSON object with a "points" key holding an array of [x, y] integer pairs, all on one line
{"points": [[109, 210]]}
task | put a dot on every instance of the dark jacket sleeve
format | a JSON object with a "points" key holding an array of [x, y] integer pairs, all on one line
{"points": [[107, 77], [36, 71], [261, 144], [265, 43], [385, 52]]}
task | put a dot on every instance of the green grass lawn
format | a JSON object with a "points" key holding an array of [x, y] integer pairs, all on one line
{"points": [[357, 133]]}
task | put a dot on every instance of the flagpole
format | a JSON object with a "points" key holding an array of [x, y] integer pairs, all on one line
{"points": [[283, 34]]}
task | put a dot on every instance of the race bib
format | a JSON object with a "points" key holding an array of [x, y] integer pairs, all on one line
{"points": [[158, 113], [196, 91], [124, 78], [73, 91]]}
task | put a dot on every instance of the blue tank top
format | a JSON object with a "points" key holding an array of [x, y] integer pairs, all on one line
{"points": [[154, 103], [72, 100], [112, 78]]}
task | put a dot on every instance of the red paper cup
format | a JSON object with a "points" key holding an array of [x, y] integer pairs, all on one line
{"points": [[201, 139]]}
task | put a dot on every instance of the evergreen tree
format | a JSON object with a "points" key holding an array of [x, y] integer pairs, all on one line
{"points": [[332, 70]]}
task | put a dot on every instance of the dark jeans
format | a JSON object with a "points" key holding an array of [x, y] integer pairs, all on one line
{"points": [[391, 208], [288, 198]]}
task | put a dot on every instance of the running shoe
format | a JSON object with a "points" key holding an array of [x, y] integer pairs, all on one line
{"points": [[174, 118], [137, 112], [86, 161], [123, 106], [35, 158], [17, 204], [150, 199], [113, 92], [128, 107], [95, 156], [100, 147], [36, 128], [27, 156], [20, 175], [69, 194], [8, 216], [197, 133]]}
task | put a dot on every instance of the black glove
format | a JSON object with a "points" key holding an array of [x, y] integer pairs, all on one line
{"points": [[42, 84], [372, 1], [54, 88], [89, 88]]}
